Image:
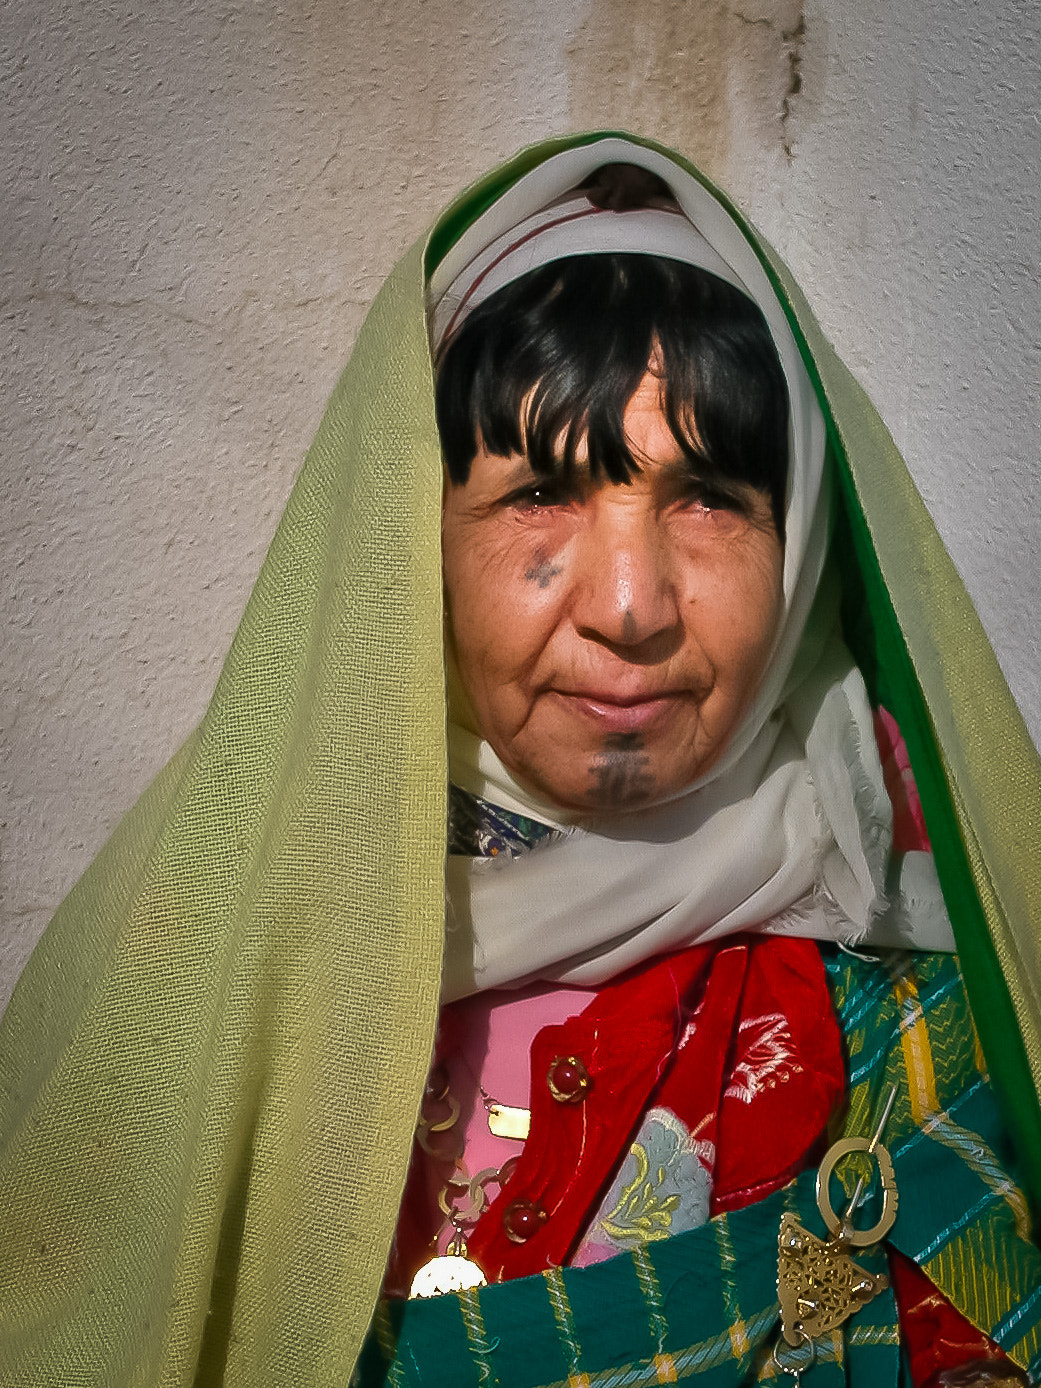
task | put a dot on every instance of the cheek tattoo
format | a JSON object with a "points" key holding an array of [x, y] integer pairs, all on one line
{"points": [[543, 571], [620, 772]]}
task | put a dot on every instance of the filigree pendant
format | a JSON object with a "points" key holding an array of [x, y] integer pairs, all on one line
{"points": [[818, 1284]]}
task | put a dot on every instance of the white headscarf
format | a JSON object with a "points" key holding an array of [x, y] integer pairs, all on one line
{"points": [[791, 829]]}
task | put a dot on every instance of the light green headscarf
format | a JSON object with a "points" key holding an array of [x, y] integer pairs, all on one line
{"points": [[210, 1071]]}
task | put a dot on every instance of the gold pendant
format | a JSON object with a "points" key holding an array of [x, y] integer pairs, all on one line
{"points": [[818, 1284], [504, 1121], [451, 1272]]}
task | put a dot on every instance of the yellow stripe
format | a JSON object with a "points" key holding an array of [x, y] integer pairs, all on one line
{"points": [[558, 1300], [914, 1042], [473, 1320], [648, 1283], [727, 1263], [859, 1336]]}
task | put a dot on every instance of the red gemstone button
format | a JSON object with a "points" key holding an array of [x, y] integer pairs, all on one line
{"points": [[521, 1219], [568, 1079]]}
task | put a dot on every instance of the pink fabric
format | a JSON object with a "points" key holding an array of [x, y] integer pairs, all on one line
{"points": [[909, 831], [485, 1042]]}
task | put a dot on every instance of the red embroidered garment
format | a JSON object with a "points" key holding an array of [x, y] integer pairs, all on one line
{"points": [[674, 1034]]}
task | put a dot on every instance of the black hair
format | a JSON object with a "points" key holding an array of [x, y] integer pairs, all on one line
{"points": [[551, 361]]}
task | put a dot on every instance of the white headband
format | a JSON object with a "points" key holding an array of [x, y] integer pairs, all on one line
{"points": [[571, 226]]}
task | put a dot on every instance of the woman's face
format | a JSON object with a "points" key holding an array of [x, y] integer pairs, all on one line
{"points": [[609, 636]]}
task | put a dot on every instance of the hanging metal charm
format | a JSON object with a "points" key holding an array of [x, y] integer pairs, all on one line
{"points": [[463, 1199], [451, 1272], [504, 1120], [819, 1286]]}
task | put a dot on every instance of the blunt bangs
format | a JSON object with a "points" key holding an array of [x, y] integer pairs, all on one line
{"points": [[550, 362]]}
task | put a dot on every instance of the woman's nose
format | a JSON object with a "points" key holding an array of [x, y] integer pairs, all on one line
{"points": [[626, 594]]}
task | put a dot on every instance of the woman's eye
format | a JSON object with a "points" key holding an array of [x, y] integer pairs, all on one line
{"points": [[705, 499], [539, 497], [700, 496]]}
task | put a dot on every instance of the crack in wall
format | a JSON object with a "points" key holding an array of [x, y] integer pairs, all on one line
{"points": [[330, 160], [794, 41], [736, 79], [69, 296]]}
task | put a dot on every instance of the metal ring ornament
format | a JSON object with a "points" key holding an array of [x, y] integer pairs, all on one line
{"points": [[843, 1227], [796, 1367]]}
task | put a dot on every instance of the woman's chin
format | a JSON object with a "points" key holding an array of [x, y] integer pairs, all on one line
{"points": [[617, 777]]}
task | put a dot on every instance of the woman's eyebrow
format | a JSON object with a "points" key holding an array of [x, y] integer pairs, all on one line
{"points": [[518, 472]]}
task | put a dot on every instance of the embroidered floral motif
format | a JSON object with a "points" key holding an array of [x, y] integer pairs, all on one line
{"points": [[767, 1057], [642, 1213], [663, 1188]]}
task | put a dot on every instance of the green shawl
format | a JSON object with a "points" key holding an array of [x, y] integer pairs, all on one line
{"points": [[210, 1071]]}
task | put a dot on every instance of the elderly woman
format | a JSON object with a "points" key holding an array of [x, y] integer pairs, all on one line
{"points": [[691, 1071]]}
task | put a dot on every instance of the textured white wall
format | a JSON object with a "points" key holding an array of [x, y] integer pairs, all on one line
{"points": [[201, 199]]}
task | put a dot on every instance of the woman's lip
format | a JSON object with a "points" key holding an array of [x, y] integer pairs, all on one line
{"points": [[623, 715]]}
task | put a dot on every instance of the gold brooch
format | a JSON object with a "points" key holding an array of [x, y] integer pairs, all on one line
{"points": [[819, 1285]]}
